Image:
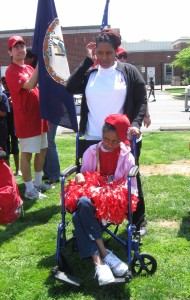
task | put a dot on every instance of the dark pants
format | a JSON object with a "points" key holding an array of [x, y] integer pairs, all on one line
{"points": [[151, 93], [139, 214], [3, 136], [87, 228], [12, 144], [52, 165]]}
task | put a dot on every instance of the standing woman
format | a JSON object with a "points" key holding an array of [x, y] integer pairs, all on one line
{"points": [[109, 87]]}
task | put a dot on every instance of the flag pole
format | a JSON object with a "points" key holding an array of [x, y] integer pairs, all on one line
{"points": [[105, 16]]}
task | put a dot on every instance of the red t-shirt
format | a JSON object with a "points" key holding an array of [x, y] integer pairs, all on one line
{"points": [[108, 161], [26, 104]]}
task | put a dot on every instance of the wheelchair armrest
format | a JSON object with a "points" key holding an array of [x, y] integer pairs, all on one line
{"points": [[133, 172], [68, 171]]}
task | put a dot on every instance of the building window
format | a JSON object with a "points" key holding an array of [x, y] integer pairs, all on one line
{"points": [[2, 70], [168, 73]]}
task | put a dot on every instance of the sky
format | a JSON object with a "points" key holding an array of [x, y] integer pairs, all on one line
{"points": [[162, 20]]}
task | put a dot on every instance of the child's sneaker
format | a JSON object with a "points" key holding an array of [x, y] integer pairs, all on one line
{"points": [[44, 187], [104, 274], [34, 194], [118, 267]]}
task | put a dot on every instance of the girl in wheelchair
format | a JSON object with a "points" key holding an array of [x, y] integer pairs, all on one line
{"points": [[112, 159]]}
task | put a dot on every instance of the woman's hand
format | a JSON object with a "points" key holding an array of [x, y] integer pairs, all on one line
{"points": [[134, 130], [91, 50]]}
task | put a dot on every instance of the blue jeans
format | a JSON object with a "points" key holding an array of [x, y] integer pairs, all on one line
{"points": [[52, 165], [87, 228]]}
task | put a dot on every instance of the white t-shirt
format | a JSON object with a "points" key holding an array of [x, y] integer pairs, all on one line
{"points": [[105, 94]]}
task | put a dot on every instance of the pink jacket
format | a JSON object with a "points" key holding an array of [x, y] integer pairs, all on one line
{"points": [[125, 162]]}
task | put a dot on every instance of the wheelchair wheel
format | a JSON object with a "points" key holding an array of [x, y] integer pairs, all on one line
{"points": [[128, 277], [147, 267]]}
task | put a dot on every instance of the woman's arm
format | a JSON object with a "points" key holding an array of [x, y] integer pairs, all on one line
{"points": [[139, 99], [147, 119], [76, 82]]}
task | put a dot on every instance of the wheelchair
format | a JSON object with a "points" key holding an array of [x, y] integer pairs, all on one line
{"points": [[139, 263]]}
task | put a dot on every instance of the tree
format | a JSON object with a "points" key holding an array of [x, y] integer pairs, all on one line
{"points": [[183, 61]]}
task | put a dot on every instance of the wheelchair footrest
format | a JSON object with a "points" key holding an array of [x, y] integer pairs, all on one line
{"points": [[120, 280], [126, 279], [64, 277]]}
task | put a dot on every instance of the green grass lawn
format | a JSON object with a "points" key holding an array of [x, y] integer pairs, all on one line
{"points": [[177, 93], [28, 246], [177, 90]]}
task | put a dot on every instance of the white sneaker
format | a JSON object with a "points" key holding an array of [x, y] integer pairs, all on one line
{"points": [[118, 267], [34, 194], [44, 187], [18, 173], [104, 274]]}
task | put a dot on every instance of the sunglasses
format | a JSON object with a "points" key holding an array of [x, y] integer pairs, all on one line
{"points": [[124, 55]]}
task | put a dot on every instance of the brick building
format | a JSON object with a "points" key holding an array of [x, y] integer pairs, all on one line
{"points": [[152, 59]]}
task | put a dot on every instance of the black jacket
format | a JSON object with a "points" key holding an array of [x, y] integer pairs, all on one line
{"points": [[136, 100]]}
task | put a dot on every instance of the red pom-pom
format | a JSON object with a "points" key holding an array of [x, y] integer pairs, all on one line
{"points": [[110, 199]]}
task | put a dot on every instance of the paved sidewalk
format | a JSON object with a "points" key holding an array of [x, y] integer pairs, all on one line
{"points": [[167, 113]]}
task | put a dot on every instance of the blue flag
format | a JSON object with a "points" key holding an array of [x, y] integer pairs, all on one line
{"points": [[105, 16], [56, 104]]}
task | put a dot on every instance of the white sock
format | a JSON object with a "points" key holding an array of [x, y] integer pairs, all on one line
{"points": [[38, 178], [29, 186]]}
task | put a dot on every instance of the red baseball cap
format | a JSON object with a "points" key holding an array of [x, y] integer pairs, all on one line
{"points": [[120, 50], [15, 39], [121, 124]]}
